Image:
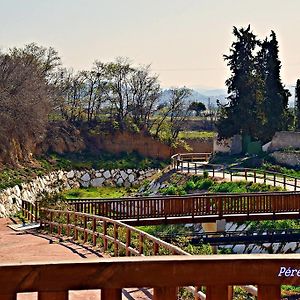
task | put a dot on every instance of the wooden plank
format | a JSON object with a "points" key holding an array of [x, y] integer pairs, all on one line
{"points": [[165, 293], [219, 292], [53, 295], [111, 294], [267, 292], [12, 296]]}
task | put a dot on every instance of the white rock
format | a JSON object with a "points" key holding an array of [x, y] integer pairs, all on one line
{"points": [[97, 182], [98, 174], [2, 210], [86, 177], [131, 178], [124, 175], [127, 184], [85, 183], [60, 175], [287, 247], [120, 181], [17, 190], [70, 174], [129, 171], [107, 174], [239, 249]]}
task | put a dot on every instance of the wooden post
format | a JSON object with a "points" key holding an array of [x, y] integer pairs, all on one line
{"points": [[116, 236], [75, 227], [295, 184], [53, 295], [188, 167], [220, 292], [141, 244], [104, 236], [36, 211], [168, 293], [94, 231], [284, 181], [111, 294], [155, 248], [128, 240], [267, 292], [85, 235]]}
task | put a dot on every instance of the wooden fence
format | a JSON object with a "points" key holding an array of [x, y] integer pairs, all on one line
{"points": [[165, 274], [183, 164]]}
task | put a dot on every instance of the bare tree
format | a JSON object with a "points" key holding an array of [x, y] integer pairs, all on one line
{"points": [[172, 114], [26, 98]]}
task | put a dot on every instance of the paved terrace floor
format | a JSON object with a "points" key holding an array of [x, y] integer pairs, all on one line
{"points": [[16, 246]]}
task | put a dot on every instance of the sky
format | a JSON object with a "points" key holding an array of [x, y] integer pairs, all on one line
{"points": [[183, 40]]}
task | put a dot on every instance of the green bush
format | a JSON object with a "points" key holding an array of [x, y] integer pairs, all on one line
{"points": [[204, 184], [170, 190], [190, 185]]}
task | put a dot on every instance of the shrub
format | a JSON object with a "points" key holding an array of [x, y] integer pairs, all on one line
{"points": [[170, 190], [204, 184], [190, 185]]}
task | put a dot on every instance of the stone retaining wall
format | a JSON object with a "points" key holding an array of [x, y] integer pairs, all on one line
{"points": [[11, 198], [291, 159], [285, 139]]}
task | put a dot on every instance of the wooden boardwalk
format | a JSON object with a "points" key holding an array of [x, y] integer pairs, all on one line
{"points": [[32, 247], [194, 208]]}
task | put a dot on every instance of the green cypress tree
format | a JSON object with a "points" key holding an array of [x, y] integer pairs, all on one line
{"points": [[275, 103], [240, 115]]}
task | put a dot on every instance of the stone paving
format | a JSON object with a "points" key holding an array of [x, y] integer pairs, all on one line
{"points": [[19, 247]]}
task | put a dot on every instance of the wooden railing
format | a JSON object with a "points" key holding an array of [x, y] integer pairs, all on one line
{"points": [[194, 208], [267, 177], [176, 159], [179, 163], [165, 274], [110, 235], [30, 211]]}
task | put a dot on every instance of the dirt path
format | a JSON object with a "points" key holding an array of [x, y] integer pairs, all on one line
{"points": [[16, 247]]}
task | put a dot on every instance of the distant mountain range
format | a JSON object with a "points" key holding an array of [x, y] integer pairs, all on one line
{"points": [[210, 96]]}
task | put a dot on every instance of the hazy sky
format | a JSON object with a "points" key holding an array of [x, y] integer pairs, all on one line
{"points": [[183, 40]]}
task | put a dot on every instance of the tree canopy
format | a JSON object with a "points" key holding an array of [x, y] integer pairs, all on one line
{"points": [[257, 98]]}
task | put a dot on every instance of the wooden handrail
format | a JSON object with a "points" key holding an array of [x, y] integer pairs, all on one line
{"points": [[164, 274], [93, 228], [212, 169], [198, 207]]}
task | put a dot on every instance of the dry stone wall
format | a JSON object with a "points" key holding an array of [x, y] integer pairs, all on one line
{"points": [[11, 198], [291, 159]]}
